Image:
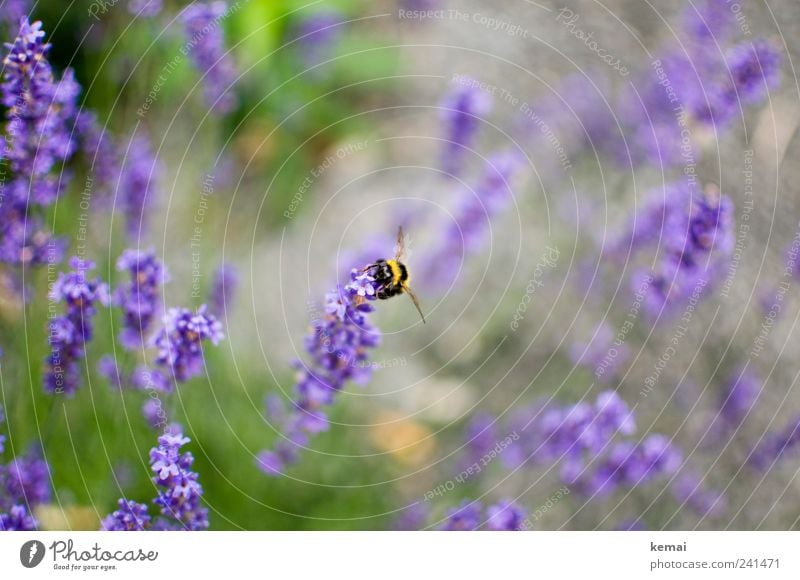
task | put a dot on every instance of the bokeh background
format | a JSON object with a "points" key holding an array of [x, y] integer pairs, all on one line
{"points": [[348, 119]]}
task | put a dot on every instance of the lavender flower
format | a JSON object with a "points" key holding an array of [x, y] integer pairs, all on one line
{"points": [[70, 333], [102, 156], [223, 290], [17, 520], [688, 489], [179, 342], [141, 172], [465, 517], [13, 12], [317, 34], [130, 517], [775, 446], [468, 232], [504, 517], [179, 493], [39, 113], [739, 397], [462, 109], [145, 8], [180, 497], [139, 299], [338, 347], [202, 23], [626, 464], [696, 232], [707, 21], [412, 518], [153, 413], [755, 70], [27, 480]]}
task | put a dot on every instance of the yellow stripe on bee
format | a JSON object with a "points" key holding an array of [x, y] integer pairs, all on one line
{"points": [[395, 271]]}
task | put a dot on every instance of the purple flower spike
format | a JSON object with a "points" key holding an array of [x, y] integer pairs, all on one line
{"points": [[179, 342], [70, 333], [145, 8], [39, 117], [205, 41], [338, 349], [462, 109], [223, 290], [140, 299], [141, 171], [179, 493]]}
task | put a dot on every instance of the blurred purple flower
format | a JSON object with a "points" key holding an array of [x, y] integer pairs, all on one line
{"points": [[153, 413], [145, 8], [707, 21], [25, 480], [338, 348], [14, 11], [69, 334], [180, 340], [141, 172], [140, 299], [468, 232], [755, 70], [775, 446], [101, 154], [412, 518], [738, 398], [130, 517], [223, 290], [461, 111], [464, 518], [205, 42], [688, 489], [317, 35], [17, 520], [695, 234], [504, 516], [626, 464]]}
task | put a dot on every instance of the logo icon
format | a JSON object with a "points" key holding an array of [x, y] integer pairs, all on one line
{"points": [[31, 553]]}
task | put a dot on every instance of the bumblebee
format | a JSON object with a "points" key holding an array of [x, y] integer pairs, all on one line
{"points": [[391, 276]]}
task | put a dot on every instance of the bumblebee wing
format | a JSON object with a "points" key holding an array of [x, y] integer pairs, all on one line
{"points": [[415, 301], [400, 248]]}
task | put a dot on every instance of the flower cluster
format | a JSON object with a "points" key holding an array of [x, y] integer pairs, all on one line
{"points": [[502, 516], [70, 333], [462, 109], [338, 347], [139, 299], [695, 233], [202, 23], [40, 111], [180, 341], [626, 464], [24, 483], [179, 496]]}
